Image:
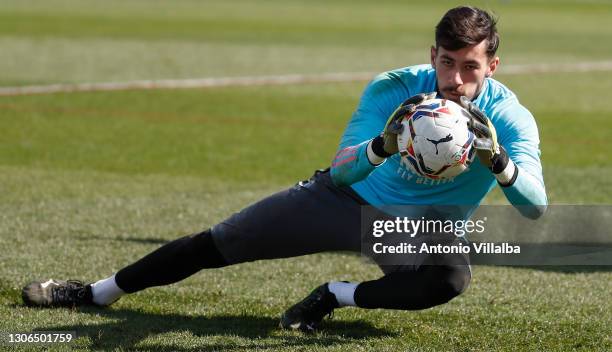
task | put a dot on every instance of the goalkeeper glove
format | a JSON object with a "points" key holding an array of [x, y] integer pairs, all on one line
{"points": [[385, 145], [491, 154]]}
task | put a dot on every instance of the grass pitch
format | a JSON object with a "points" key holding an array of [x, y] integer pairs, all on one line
{"points": [[90, 182]]}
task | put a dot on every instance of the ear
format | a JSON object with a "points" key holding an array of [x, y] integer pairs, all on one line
{"points": [[492, 66], [433, 56]]}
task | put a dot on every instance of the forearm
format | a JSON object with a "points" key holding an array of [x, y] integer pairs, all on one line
{"points": [[522, 190], [354, 163]]}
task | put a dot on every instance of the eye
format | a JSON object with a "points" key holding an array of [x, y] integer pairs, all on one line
{"points": [[471, 67], [447, 62]]}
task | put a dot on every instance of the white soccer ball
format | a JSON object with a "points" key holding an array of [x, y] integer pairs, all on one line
{"points": [[436, 142]]}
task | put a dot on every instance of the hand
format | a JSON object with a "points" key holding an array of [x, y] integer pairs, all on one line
{"points": [[490, 153], [394, 126]]}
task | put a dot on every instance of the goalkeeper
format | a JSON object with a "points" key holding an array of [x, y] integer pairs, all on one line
{"points": [[323, 213]]}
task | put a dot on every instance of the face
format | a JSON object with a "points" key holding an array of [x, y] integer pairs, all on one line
{"points": [[462, 72]]}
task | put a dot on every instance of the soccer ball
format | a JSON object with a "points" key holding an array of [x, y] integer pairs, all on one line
{"points": [[436, 142]]}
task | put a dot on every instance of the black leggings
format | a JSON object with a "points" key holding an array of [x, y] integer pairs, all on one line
{"points": [[314, 216], [428, 286]]}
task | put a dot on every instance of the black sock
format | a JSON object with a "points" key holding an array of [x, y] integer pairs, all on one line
{"points": [[172, 262]]}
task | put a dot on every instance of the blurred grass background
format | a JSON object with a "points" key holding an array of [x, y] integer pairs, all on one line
{"points": [[71, 41], [89, 182]]}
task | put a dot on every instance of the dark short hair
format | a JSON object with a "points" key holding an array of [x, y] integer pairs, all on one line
{"points": [[467, 25]]}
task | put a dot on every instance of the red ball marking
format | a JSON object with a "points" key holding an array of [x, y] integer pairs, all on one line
{"points": [[443, 110]]}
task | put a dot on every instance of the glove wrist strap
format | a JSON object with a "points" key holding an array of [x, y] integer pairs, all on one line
{"points": [[500, 161], [504, 169], [372, 157], [378, 145]]}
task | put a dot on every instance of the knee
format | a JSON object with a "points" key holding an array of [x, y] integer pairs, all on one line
{"points": [[202, 248], [453, 282]]}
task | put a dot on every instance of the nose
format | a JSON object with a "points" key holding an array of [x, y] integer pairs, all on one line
{"points": [[456, 76]]}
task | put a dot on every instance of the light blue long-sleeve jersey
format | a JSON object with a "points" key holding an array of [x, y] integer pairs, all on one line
{"points": [[393, 183]]}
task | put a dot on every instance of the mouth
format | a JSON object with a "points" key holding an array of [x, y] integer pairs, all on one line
{"points": [[451, 90], [453, 95]]}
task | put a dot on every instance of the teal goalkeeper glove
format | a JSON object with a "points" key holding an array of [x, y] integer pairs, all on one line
{"points": [[385, 145]]}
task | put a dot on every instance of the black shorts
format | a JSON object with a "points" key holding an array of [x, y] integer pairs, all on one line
{"points": [[311, 217]]}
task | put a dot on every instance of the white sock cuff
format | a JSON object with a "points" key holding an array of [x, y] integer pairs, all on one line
{"points": [[106, 291], [344, 292]]}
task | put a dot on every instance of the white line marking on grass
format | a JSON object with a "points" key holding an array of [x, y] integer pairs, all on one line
{"points": [[273, 80], [188, 83]]}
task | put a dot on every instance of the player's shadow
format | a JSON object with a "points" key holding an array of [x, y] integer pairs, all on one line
{"points": [[149, 240], [128, 328]]}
